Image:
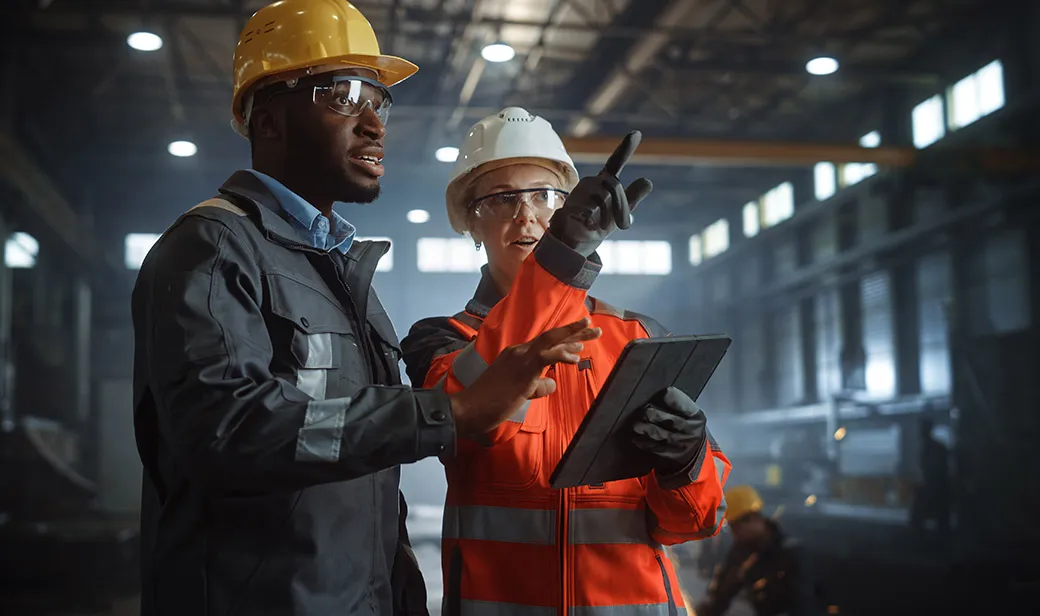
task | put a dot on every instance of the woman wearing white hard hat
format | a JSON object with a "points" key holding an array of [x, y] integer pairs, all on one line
{"points": [[511, 543]]}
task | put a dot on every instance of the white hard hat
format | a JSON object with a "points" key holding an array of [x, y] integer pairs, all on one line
{"points": [[511, 136]]}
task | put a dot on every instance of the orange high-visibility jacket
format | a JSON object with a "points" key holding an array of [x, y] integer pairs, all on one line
{"points": [[511, 544]]}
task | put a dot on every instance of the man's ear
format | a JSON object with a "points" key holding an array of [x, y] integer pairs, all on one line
{"points": [[266, 124]]}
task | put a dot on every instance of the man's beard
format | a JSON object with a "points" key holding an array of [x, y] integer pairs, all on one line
{"points": [[355, 193]]}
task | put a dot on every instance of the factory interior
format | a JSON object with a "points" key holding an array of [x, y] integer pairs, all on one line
{"points": [[848, 189]]}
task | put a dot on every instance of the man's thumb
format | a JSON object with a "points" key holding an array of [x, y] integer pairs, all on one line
{"points": [[542, 387]]}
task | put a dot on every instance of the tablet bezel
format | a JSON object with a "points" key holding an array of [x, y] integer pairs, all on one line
{"points": [[567, 474]]}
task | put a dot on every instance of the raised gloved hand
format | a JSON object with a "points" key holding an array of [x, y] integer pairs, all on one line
{"points": [[599, 204], [672, 429]]}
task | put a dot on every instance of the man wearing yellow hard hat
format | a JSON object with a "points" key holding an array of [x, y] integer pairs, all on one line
{"points": [[762, 561], [268, 407]]}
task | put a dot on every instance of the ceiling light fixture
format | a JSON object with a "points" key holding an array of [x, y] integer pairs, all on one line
{"points": [[498, 52], [823, 65], [182, 149], [418, 217], [447, 154], [144, 41]]}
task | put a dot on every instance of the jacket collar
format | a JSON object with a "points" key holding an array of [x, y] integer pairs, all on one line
{"points": [[486, 296], [246, 186]]}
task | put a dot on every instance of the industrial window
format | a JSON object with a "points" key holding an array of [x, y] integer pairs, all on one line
{"points": [[933, 291], [827, 309], [927, 119], [716, 238], [975, 96], [853, 173], [20, 251], [777, 205], [136, 247], [878, 335], [787, 356], [387, 262], [696, 251], [455, 254], [652, 258], [753, 358], [825, 181], [751, 220]]}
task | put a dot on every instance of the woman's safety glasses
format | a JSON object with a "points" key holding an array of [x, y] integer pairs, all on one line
{"points": [[506, 205]]}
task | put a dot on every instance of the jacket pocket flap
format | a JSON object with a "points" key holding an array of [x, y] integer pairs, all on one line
{"points": [[307, 306], [534, 417]]}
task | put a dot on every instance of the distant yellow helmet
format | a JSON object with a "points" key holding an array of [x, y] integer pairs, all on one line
{"points": [[740, 501], [289, 37]]}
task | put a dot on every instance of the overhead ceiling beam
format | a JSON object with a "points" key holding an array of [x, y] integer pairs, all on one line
{"points": [[45, 203], [884, 74], [432, 18], [655, 151], [639, 57]]}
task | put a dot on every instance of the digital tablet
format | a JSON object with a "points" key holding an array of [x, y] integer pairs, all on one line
{"points": [[602, 450]]}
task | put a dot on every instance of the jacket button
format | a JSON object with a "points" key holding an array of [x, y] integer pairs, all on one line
{"points": [[304, 322], [437, 415]]}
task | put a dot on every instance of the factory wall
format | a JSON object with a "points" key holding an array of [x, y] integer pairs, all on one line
{"points": [[908, 295]]}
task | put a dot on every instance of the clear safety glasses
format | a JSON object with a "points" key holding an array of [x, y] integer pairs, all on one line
{"points": [[543, 202], [345, 94], [350, 96]]}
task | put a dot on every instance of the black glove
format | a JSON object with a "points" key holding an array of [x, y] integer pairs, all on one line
{"points": [[672, 430], [599, 205]]}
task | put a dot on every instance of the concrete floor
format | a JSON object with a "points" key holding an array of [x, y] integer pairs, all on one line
{"points": [[429, 557]]}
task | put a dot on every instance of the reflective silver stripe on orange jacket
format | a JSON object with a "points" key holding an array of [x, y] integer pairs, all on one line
{"points": [[538, 526], [495, 608]]}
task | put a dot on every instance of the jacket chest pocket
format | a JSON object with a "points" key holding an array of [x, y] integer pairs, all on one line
{"points": [[516, 463], [314, 338]]}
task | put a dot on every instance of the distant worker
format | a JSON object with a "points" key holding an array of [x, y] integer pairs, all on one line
{"points": [[932, 496], [268, 405], [512, 544], [770, 567]]}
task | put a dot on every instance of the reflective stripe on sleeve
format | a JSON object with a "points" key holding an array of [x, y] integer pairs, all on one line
{"points": [[468, 365], [321, 436]]}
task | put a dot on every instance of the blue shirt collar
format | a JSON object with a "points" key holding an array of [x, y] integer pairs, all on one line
{"points": [[308, 221]]}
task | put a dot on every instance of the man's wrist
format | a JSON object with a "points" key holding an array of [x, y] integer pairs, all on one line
{"points": [[437, 426]]}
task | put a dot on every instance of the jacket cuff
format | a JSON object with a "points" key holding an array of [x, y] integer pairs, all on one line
{"points": [[687, 474], [565, 264], [436, 423]]}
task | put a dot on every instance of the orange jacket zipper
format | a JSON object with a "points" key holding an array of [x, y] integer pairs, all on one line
{"points": [[558, 372]]}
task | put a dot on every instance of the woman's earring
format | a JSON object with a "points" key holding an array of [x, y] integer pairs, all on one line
{"points": [[477, 246]]}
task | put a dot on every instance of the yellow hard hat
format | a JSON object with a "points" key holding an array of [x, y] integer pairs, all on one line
{"points": [[740, 501], [291, 36]]}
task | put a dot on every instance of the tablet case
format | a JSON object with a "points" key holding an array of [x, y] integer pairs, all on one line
{"points": [[601, 449]]}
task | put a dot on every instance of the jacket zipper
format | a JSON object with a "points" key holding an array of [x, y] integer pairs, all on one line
{"points": [[673, 608], [361, 325], [564, 503]]}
